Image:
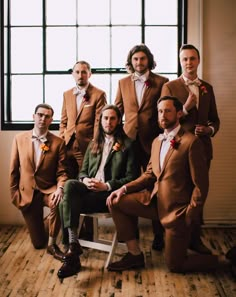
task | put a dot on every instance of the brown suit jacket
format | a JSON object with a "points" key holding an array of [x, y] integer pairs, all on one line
{"points": [[181, 185], [25, 177], [206, 114], [85, 122], [140, 120]]}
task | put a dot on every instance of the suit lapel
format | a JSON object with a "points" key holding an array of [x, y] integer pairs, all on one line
{"points": [[30, 149]]}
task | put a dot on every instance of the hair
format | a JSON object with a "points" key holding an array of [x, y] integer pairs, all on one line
{"points": [[44, 105], [191, 47], [84, 63], [177, 104], [119, 134], [140, 48]]}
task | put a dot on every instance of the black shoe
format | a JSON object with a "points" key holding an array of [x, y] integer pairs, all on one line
{"points": [[70, 267], [73, 251], [158, 243], [199, 247], [55, 252], [129, 261], [231, 255]]}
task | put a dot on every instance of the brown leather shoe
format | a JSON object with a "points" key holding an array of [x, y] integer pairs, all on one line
{"points": [[55, 252], [199, 247], [74, 250], [70, 267], [129, 261]]}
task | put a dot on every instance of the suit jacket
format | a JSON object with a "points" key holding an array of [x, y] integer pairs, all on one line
{"points": [[25, 177], [140, 120], [120, 168], [206, 114], [85, 122], [181, 185]]}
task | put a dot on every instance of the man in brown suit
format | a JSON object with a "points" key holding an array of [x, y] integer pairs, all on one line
{"points": [[136, 98], [174, 187], [80, 113], [37, 177], [200, 112]]}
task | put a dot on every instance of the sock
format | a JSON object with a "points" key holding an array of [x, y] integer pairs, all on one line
{"points": [[73, 237], [51, 240]]}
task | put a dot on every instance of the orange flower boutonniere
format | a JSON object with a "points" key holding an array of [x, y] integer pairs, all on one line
{"points": [[44, 148], [174, 144], [116, 147], [203, 90]]}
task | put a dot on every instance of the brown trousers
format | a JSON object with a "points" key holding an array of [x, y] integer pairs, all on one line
{"points": [[177, 239], [34, 219]]}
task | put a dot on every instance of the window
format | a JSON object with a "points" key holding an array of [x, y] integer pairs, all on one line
{"points": [[43, 40]]}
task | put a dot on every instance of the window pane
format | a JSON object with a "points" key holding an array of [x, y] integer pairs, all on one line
{"points": [[26, 12], [92, 12], [26, 50], [6, 52], [126, 12], [64, 14], [159, 12], [93, 46], [162, 42], [102, 81], [130, 37], [24, 103], [5, 12], [61, 48], [55, 86]]}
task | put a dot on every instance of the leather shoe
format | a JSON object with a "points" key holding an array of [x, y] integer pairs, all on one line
{"points": [[73, 251], [129, 261], [158, 243], [231, 255], [69, 267], [199, 247], [55, 252]]}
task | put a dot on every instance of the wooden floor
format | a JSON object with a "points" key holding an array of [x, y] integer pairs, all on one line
{"points": [[28, 272]]}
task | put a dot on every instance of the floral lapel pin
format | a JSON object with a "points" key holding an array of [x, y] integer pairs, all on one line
{"points": [[116, 147], [174, 143], [203, 90], [147, 83], [44, 148], [86, 97]]}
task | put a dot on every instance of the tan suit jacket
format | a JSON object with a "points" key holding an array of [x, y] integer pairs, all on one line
{"points": [[25, 177], [206, 114], [182, 183], [140, 120], [84, 122]]}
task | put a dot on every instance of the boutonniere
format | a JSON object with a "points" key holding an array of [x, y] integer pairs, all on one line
{"points": [[86, 97], [203, 90], [174, 143], [116, 147], [147, 83], [44, 148]]}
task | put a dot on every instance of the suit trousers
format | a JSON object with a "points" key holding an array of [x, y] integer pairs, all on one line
{"points": [[33, 216], [79, 199], [176, 238]]}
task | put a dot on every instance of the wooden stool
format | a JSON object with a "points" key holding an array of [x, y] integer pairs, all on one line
{"points": [[108, 246]]}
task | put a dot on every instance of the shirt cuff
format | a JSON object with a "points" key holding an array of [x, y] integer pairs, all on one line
{"points": [[108, 187], [213, 130], [185, 111]]}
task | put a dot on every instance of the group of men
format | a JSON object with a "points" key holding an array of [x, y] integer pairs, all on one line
{"points": [[154, 165]]}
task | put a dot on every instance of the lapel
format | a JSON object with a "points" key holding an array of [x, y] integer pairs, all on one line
{"points": [[30, 148], [84, 102], [43, 154], [132, 92]]}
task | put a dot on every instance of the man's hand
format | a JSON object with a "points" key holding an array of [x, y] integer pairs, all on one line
{"points": [[57, 196], [115, 196], [94, 184], [202, 130], [191, 101]]}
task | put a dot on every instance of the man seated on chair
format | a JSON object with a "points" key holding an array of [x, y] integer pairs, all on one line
{"points": [[108, 164]]}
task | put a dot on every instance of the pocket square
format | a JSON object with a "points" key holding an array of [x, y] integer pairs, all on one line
{"points": [[87, 105]]}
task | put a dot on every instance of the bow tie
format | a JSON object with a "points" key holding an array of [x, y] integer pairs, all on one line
{"points": [[136, 77], [40, 138], [77, 91], [195, 82], [165, 136]]}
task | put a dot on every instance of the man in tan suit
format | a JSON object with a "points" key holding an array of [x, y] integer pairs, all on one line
{"points": [[200, 112], [80, 113], [136, 98], [174, 187], [37, 177]]}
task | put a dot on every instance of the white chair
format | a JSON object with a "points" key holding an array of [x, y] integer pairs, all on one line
{"points": [[108, 246]]}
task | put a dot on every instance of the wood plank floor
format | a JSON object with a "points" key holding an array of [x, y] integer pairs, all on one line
{"points": [[28, 272]]}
